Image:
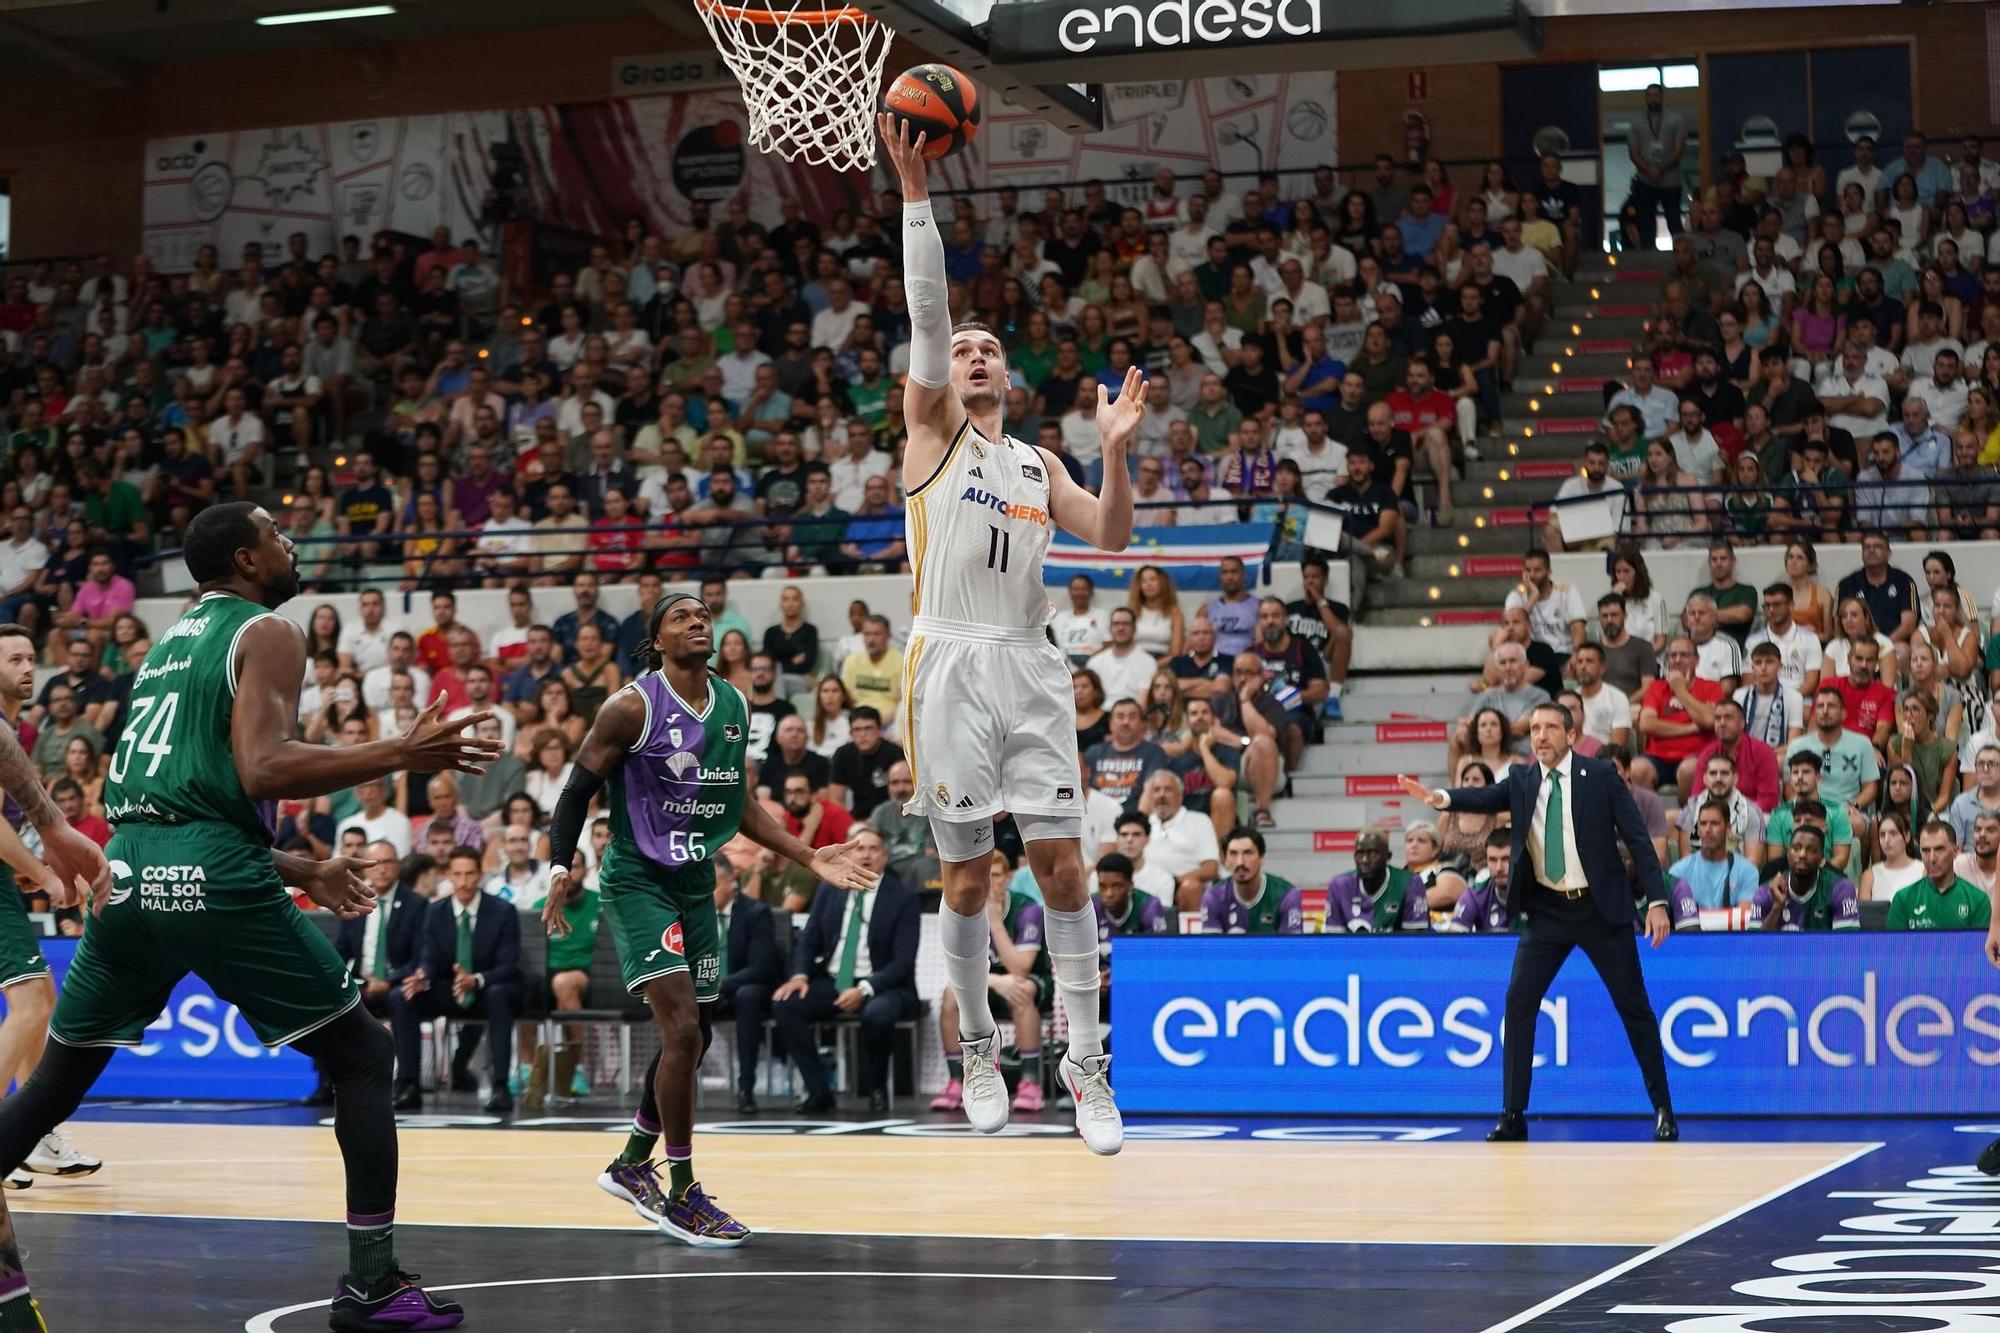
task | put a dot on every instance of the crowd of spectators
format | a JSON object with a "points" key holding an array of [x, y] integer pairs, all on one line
{"points": [[1858, 713], [1823, 359], [724, 402]]}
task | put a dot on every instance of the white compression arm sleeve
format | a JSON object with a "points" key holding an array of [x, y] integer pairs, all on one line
{"points": [[930, 308]]}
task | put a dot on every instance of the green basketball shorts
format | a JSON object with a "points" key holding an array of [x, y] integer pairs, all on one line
{"points": [[205, 899], [20, 943], [662, 920]]}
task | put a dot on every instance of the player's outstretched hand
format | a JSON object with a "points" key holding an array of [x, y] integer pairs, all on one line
{"points": [[79, 867], [840, 865], [906, 156], [552, 906], [337, 886], [433, 745], [1118, 423]]}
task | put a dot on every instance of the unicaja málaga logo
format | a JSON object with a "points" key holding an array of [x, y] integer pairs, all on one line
{"points": [[1180, 23]]}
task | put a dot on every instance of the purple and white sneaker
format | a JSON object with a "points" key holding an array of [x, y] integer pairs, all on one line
{"points": [[638, 1184], [699, 1220], [393, 1303]]}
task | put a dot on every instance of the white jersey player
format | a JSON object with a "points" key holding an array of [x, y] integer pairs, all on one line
{"points": [[989, 718]]}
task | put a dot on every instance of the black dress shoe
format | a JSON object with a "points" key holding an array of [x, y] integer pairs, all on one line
{"points": [[1513, 1128], [746, 1102], [878, 1103], [463, 1081], [814, 1103], [500, 1103], [1665, 1128], [409, 1097]]}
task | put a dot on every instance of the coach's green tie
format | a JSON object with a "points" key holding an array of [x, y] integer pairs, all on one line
{"points": [[1554, 863], [850, 952], [381, 969], [465, 951]]}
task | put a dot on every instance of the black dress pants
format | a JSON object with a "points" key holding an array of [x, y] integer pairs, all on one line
{"points": [[1555, 925]]}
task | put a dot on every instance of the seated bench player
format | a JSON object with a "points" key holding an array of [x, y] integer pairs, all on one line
{"points": [[1376, 897], [1482, 908], [1121, 909], [1807, 894], [1714, 874], [1250, 902]]}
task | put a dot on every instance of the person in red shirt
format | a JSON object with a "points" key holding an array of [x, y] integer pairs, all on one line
{"points": [[448, 682], [816, 822], [434, 644], [617, 541], [1756, 763], [1430, 417], [69, 800], [1871, 705], [1676, 715]]}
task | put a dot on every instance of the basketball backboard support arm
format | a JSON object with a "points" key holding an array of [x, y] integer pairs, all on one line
{"points": [[956, 32]]}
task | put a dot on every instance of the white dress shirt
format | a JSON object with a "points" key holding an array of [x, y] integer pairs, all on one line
{"points": [[371, 930], [1572, 863], [863, 966]]}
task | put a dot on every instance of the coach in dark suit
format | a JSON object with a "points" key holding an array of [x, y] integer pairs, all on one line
{"points": [[751, 970], [385, 946], [471, 969], [1569, 889], [857, 955]]}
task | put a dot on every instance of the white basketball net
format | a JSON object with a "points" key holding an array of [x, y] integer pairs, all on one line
{"points": [[809, 76]]}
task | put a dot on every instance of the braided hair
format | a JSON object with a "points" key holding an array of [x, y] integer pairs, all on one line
{"points": [[647, 655]]}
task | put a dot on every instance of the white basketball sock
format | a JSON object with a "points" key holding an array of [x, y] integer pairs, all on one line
{"points": [[966, 940], [1072, 944]]}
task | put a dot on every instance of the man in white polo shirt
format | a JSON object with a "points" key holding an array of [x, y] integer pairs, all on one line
{"points": [[1183, 842]]}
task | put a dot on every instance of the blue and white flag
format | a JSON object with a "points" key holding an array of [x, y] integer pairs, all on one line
{"points": [[1192, 555]]}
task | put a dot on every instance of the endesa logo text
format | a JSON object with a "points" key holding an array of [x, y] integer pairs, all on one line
{"points": [[1171, 23], [1313, 1024]]}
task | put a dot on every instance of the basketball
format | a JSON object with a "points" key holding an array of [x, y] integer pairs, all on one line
{"points": [[938, 101]]}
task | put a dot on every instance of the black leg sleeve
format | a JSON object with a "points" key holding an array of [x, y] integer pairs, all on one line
{"points": [[49, 1097], [358, 1055], [649, 1101]]}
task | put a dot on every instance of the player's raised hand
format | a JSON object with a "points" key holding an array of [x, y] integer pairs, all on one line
{"points": [[840, 865], [1118, 422], [432, 745], [906, 155], [337, 886]]}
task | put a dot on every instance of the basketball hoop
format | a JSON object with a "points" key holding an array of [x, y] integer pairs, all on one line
{"points": [[809, 77]]}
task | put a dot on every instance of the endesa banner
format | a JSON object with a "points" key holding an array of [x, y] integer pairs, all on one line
{"points": [[1848, 1024], [200, 1047]]}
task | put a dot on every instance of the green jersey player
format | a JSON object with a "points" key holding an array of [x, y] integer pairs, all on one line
{"points": [[194, 886], [674, 745]]}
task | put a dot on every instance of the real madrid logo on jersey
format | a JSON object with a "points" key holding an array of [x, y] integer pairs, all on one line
{"points": [[943, 795], [978, 449]]}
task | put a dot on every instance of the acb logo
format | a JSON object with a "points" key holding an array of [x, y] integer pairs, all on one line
{"points": [[670, 940]]}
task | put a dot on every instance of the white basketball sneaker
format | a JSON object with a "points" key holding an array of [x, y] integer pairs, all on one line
{"points": [[985, 1089], [1097, 1118], [57, 1156]]}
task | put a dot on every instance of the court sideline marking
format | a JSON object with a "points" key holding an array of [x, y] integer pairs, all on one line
{"points": [[643, 1229], [1563, 1298], [267, 1322]]}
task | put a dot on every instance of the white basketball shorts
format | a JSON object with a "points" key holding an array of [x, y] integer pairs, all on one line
{"points": [[989, 722]]}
